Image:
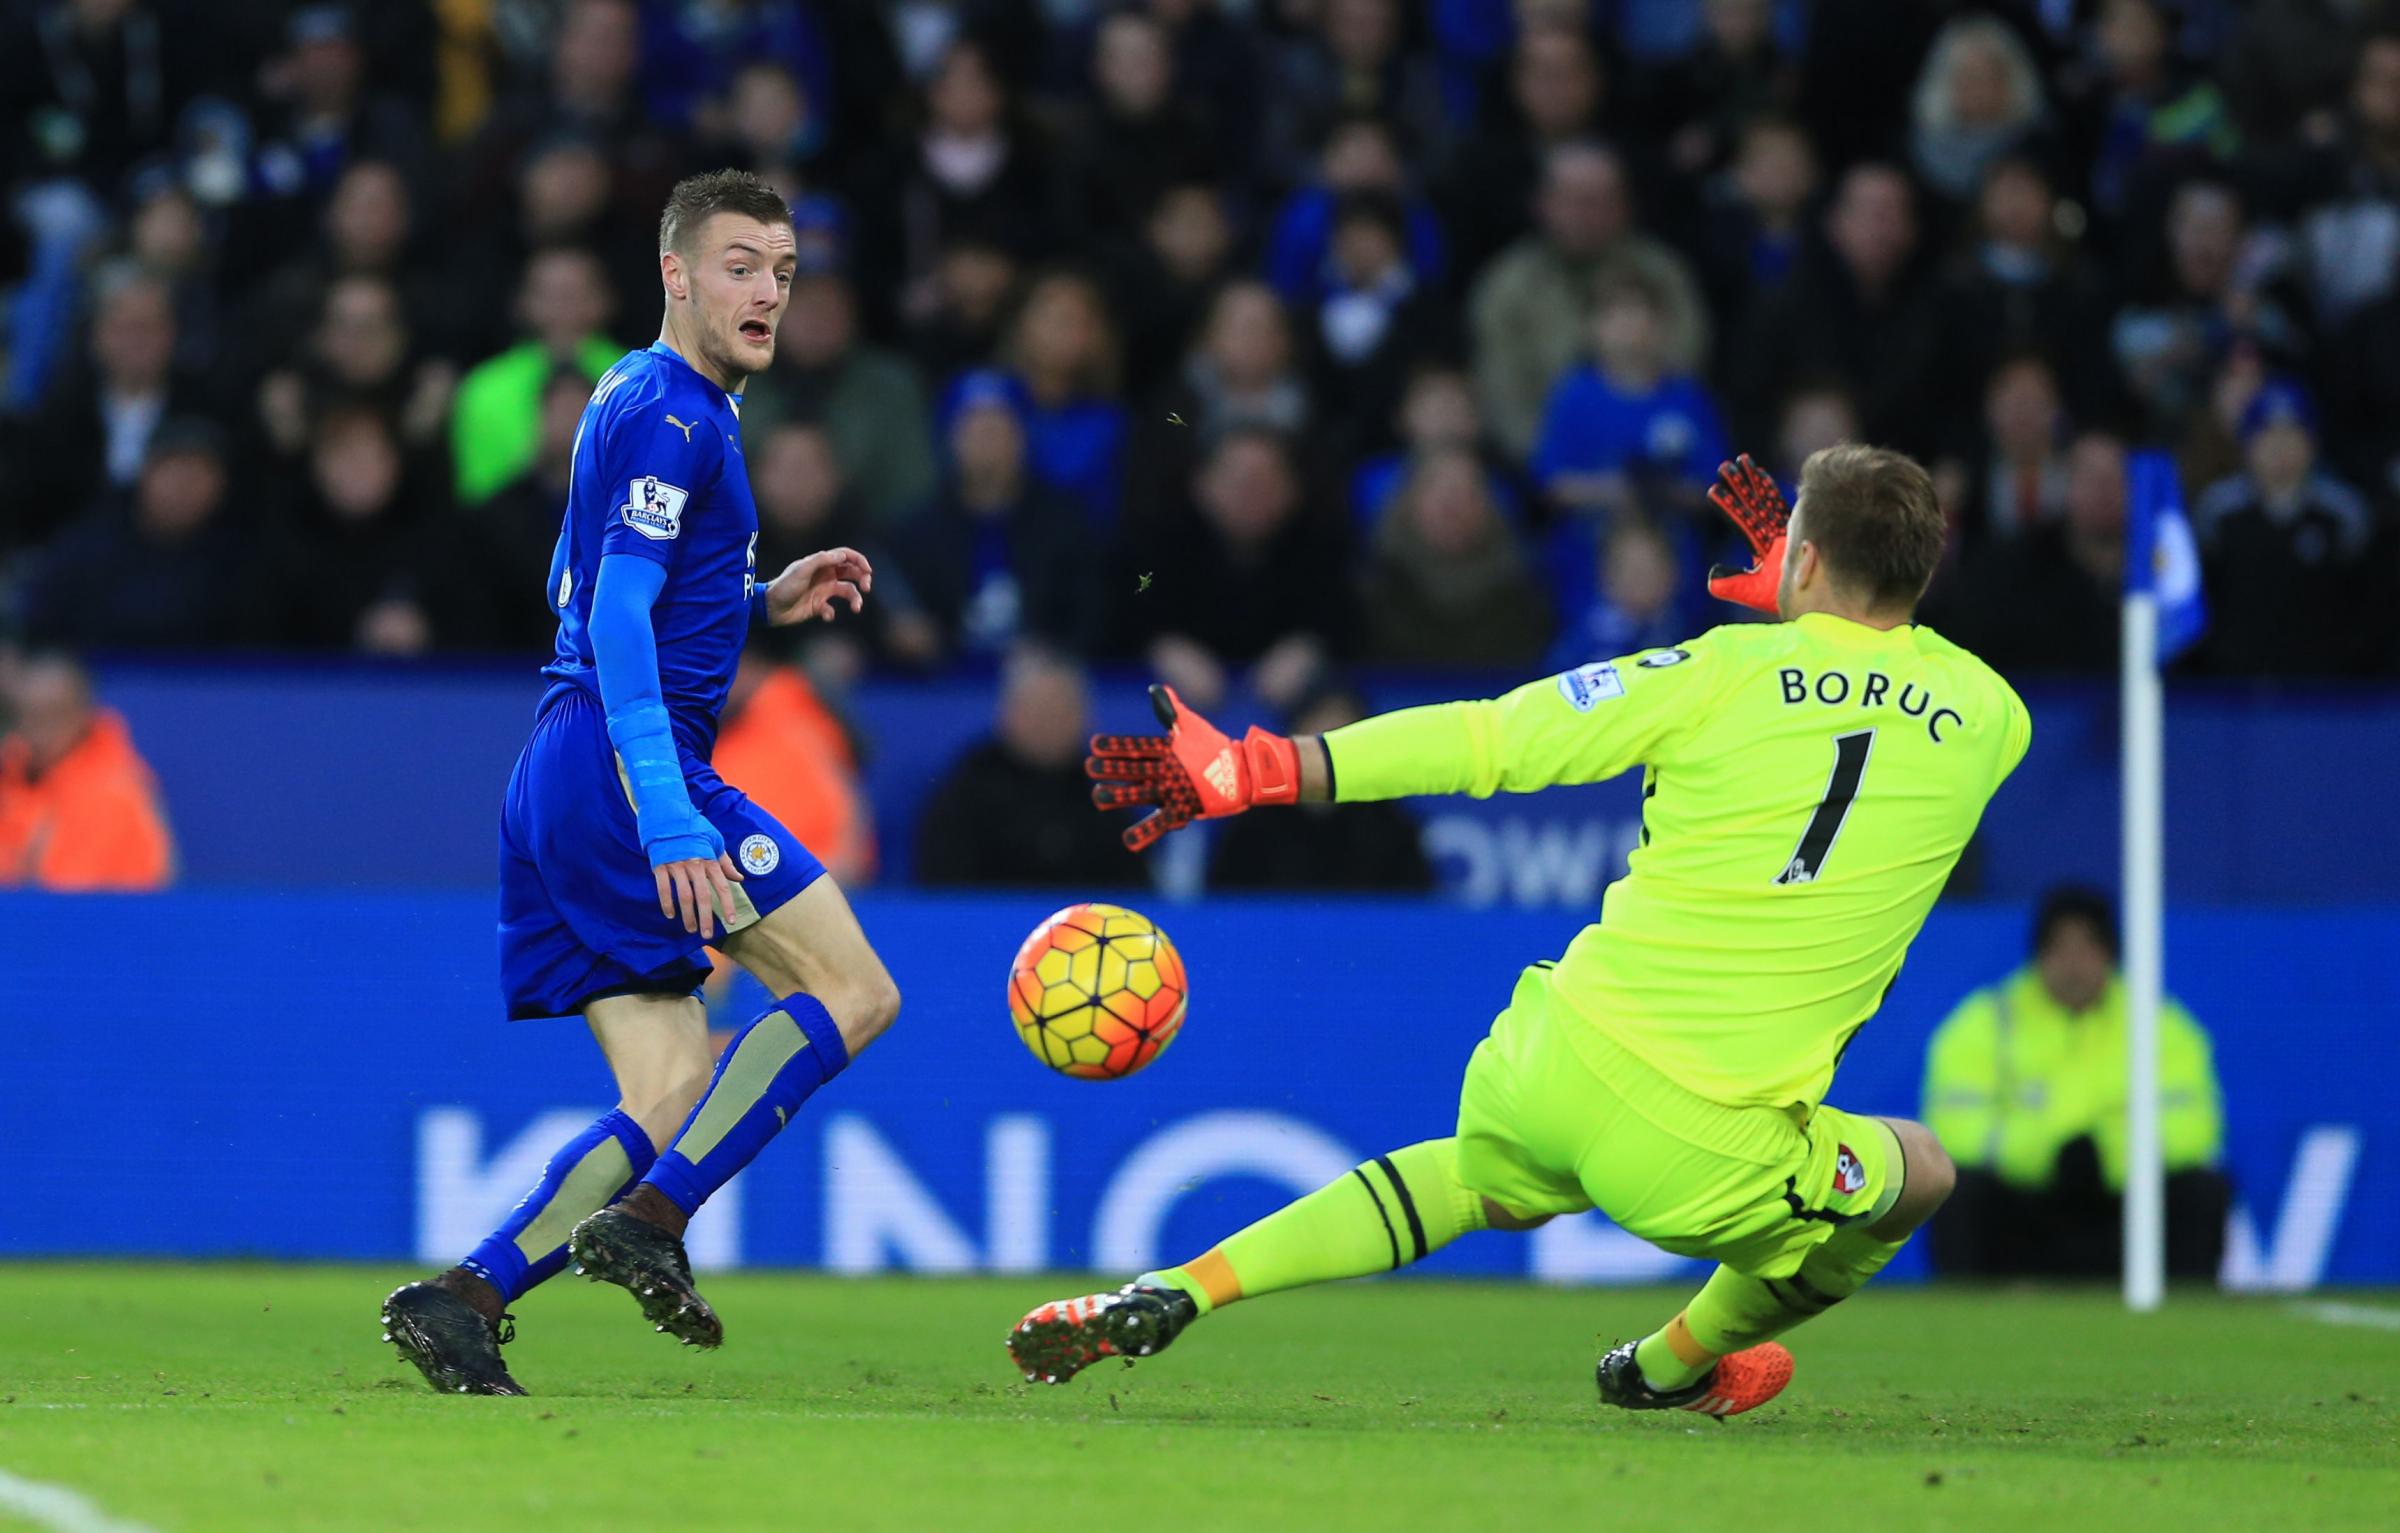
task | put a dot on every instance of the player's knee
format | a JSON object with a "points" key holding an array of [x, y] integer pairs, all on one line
{"points": [[865, 1008], [1929, 1177], [1499, 1217]]}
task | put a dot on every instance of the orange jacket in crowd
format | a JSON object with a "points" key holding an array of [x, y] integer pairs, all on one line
{"points": [[91, 822], [786, 750]]}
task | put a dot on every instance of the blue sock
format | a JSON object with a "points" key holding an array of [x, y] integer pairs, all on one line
{"points": [[773, 1065], [593, 1170]]}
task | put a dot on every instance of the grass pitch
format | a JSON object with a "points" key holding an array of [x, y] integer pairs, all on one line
{"points": [[259, 1397]]}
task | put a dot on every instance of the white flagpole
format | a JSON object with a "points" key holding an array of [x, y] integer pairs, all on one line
{"points": [[2145, 947]]}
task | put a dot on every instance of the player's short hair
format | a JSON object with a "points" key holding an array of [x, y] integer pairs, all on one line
{"points": [[1875, 521], [695, 198]]}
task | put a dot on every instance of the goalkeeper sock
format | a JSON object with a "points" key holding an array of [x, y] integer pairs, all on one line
{"points": [[1734, 1310], [591, 1171], [771, 1067], [1391, 1211]]}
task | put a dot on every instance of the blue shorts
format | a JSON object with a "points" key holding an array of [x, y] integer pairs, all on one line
{"points": [[578, 903]]}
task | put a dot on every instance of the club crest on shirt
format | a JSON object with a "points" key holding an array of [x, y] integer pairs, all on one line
{"points": [[1849, 1177], [759, 854], [654, 508], [1587, 685]]}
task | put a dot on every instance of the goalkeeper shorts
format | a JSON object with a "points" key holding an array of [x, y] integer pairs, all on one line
{"points": [[1550, 1123]]}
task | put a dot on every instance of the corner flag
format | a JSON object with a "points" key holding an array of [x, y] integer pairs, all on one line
{"points": [[2162, 557]]}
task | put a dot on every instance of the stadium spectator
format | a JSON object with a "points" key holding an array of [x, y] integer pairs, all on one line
{"points": [[958, 312], [1448, 583], [2349, 228], [1016, 809], [94, 433], [1531, 309], [2221, 297], [2047, 598], [1136, 138], [2020, 285], [79, 807], [1369, 848], [1705, 102], [563, 308], [1639, 595], [2021, 481], [779, 740], [1240, 372], [867, 398], [359, 352], [565, 194], [1062, 352], [997, 555], [972, 171], [1162, 285], [159, 565], [1248, 576], [591, 87], [1557, 92], [1375, 316], [369, 228], [1355, 58], [1623, 418], [1978, 98], [1360, 157], [1754, 217], [167, 240], [347, 563], [2145, 115], [1437, 412], [2283, 551], [92, 86], [2025, 1085], [1856, 306], [323, 111], [493, 590], [805, 504]]}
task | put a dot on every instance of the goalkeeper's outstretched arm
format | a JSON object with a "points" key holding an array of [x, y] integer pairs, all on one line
{"points": [[1544, 734]]}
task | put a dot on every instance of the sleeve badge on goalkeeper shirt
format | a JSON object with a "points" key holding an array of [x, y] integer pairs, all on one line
{"points": [[654, 508], [1849, 1177], [759, 854], [1589, 684]]}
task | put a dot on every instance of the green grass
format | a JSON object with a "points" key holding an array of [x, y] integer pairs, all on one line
{"points": [[258, 1397]]}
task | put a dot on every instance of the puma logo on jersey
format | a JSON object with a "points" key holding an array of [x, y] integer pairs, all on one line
{"points": [[686, 426], [1222, 774]]}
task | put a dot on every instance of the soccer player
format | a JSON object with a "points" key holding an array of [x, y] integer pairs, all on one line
{"points": [[1808, 786], [622, 852]]}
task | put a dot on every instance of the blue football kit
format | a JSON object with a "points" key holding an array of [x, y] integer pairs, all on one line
{"points": [[647, 645]]}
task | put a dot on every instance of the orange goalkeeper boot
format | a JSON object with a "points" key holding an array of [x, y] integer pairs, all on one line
{"points": [[1741, 1381]]}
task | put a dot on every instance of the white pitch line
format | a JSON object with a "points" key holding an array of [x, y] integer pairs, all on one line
{"points": [[2371, 1316], [59, 1509]]}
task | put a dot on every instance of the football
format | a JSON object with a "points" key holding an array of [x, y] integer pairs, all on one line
{"points": [[1097, 992]]}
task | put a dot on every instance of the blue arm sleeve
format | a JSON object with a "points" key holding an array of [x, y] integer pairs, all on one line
{"points": [[625, 652]]}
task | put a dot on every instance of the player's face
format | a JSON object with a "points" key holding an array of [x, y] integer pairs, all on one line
{"points": [[738, 278]]}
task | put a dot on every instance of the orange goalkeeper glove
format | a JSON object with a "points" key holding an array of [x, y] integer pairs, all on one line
{"points": [[1193, 772], [1747, 494]]}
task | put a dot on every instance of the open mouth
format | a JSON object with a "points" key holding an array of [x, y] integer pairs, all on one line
{"points": [[757, 331]]}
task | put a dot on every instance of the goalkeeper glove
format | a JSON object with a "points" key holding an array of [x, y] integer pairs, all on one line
{"points": [[1193, 772], [1747, 494]]}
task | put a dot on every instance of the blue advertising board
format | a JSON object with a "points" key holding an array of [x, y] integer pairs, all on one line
{"points": [[2249, 778], [325, 1075]]}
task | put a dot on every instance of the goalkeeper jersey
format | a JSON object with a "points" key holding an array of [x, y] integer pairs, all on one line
{"points": [[1808, 787]]}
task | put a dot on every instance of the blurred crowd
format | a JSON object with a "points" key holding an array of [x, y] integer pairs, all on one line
{"points": [[1236, 337]]}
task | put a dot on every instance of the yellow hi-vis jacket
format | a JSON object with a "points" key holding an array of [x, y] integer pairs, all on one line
{"points": [[2011, 1077]]}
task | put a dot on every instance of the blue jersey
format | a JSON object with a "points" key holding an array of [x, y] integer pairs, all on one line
{"points": [[658, 473]]}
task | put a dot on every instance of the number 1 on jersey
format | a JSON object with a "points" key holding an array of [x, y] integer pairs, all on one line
{"points": [[1850, 753]]}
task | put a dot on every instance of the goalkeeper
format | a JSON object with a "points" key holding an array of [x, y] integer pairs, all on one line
{"points": [[1807, 786]]}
